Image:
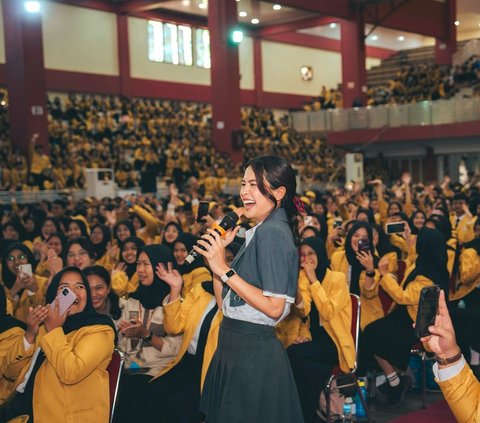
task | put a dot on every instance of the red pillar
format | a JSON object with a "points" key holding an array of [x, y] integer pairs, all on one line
{"points": [[123, 55], [354, 74], [445, 49], [225, 76], [25, 75]]}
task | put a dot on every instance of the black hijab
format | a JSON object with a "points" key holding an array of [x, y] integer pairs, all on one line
{"points": [[475, 243], [6, 321], [87, 317], [413, 228], [431, 259], [128, 224], [152, 296], [188, 240], [171, 244], [8, 278], [131, 268], [357, 267], [384, 245], [101, 248], [81, 224]]}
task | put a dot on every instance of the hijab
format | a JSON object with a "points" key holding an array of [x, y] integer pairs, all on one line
{"points": [[131, 268], [431, 259], [152, 296], [101, 248], [171, 244], [63, 240], [475, 243], [87, 317], [356, 266], [8, 278], [128, 224], [413, 228], [81, 224], [188, 240], [6, 321]]}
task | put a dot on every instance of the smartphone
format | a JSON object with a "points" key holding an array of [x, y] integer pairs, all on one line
{"points": [[133, 316], [395, 228], [202, 210], [363, 245], [26, 269], [427, 310], [308, 220], [337, 223], [66, 298]]}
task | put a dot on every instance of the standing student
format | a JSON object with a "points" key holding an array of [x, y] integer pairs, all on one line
{"points": [[249, 378]]}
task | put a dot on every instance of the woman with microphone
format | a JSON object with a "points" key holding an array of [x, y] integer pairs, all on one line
{"points": [[249, 378]]}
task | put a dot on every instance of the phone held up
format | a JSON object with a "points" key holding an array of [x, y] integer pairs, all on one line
{"points": [[203, 207], [395, 228], [66, 298], [427, 310], [363, 245]]}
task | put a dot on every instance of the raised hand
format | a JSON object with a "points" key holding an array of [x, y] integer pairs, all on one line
{"points": [[36, 316], [170, 275], [54, 319]]}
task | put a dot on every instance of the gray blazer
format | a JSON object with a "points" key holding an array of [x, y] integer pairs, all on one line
{"points": [[270, 261]]}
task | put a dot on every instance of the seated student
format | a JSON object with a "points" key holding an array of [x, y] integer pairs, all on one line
{"points": [[79, 253], [122, 230], [23, 290], [12, 349], [56, 242], [101, 236], [124, 275], [104, 300], [390, 339], [67, 378], [147, 347], [76, 229], [359, 268], [194, 273], [325, 299], [170, 234], [456, 380]]}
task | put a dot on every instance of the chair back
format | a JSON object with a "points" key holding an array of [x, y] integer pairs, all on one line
{"points": [[355, 326], [115, 370]]}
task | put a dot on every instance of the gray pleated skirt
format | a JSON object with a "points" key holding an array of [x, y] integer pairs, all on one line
{"points": [[249, 378]]}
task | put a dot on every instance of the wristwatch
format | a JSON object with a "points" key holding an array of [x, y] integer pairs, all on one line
{"points": [[370, 274], [449, 360], [227, 275], [148, 338]]}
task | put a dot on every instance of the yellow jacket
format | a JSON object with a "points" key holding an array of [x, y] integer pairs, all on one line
{"points": [[293, 327], [12, 360], [106, 262], [462, 393], [332, 299], [195, 277], [184, 316], [122, 286], [409, 296], [152, 224], [464, 231], [469, 273], [371, 304], [22, 304], [74, 372]]}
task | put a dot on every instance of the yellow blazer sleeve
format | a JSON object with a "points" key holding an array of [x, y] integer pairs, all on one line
{"points": [[303, 287], [408, 296], [123, 286], [329, 305], [382, 209], [469, 266], [175, 314], [462, 393], [151, 222], [369, 292], [73, 363], [11, 347]]}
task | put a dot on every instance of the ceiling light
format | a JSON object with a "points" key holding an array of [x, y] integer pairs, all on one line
{"points": [[457, 23], [374, 37], [333, 25], [255, 21], [242, 14], [32, 6], [202, 5], [401, 38], [276, 7]]}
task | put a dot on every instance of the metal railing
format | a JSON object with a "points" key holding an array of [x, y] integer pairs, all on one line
{"points": [[437, 112]]}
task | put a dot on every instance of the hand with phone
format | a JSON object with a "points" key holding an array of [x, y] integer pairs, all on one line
{"points": [[55, 319]]}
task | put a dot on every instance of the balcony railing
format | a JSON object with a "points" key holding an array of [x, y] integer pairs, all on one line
{"points": [[437, 112]]}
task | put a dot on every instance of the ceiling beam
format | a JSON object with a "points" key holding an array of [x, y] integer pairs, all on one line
{"points": [[295, 25], [140, 6], [337, 8]]}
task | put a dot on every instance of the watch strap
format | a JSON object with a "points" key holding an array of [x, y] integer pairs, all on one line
{"points": [[449, 360], [224, 278]]}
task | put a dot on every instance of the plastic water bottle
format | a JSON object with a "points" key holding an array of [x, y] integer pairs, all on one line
{"points": [[360, 409], [347, 413]]}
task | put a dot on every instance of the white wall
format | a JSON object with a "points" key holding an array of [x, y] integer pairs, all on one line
{"points": [[79, 39], [372, 62], [247, 70], [2, 37]]}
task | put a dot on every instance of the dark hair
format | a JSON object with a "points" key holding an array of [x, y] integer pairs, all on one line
{"points": [[84, 242], [278, 173], [81, 225], [103, 273]]}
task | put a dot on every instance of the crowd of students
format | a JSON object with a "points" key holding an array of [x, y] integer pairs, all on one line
{"points": [[124, 258]]}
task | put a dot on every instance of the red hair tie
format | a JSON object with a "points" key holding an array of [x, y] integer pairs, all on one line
{"points": [[299, 205]]}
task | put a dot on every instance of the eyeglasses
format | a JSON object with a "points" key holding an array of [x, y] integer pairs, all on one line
{"points": [[19, 257], [81, 253]]}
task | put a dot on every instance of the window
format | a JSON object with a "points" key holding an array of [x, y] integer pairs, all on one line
{"points": [[178, 44]]}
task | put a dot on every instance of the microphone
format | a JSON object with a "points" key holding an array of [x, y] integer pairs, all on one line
{"points": [[228, 222]]}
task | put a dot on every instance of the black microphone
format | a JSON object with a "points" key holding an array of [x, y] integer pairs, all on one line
{"points": [[228, 222]]}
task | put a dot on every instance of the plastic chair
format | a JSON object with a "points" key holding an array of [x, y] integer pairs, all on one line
{"points": [[351, 382], [115, 370]]}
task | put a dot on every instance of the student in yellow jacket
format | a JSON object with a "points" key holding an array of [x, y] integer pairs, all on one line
{"points": [[68, 380], [390, 339], [456, 380], [23, 290], [124, 275], [100, 236], [325, 299], [359, 269]]}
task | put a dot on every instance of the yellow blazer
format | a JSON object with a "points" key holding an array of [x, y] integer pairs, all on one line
{"points": [[469, 273], [122, 286], [371, 304], [22, 304], [332, 299], [106, 262], [462, 393], [195, 277], [464, 231], [74, 372], [293, 327], [409, 296], [184, 316], [12, 360], [152, 224]]}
